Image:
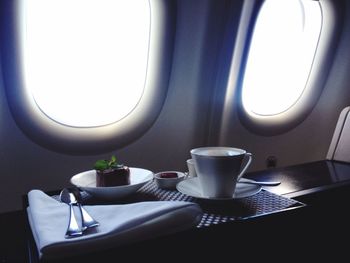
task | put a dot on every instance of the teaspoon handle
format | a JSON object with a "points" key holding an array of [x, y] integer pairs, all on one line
{"points": [[87, 220], [261, 183], [73, 227]]}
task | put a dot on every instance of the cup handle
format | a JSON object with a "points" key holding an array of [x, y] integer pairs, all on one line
{"points": [[249, 155]]}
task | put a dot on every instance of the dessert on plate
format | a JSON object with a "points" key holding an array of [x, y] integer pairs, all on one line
{"points": [[111, 173]]}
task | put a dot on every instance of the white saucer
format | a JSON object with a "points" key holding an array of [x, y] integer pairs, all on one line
{"points": [[87, 182], [192, 188]]}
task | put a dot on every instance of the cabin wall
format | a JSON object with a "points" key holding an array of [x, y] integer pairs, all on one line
{"points": [[197, 82]]}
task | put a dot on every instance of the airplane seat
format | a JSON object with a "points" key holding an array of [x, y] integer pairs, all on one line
{"points": [[339, 149]]}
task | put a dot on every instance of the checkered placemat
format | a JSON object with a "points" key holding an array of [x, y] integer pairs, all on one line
{"points": [[215, 212]]}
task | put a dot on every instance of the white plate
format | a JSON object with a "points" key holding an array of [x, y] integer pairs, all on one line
{"points": [[87, 182], [192, 188]]}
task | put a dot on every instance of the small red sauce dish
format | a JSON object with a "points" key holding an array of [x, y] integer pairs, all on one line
{"points": [[169, 179]]}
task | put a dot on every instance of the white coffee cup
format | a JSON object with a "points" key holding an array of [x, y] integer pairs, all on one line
{"points": [[219, 169], [191, 168]]}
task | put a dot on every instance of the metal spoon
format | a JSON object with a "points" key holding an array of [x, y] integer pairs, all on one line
{"points": [[87, 220], [266, 183], [73, 229]]}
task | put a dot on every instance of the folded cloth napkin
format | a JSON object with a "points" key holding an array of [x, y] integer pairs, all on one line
{"points": [[119, 224]]}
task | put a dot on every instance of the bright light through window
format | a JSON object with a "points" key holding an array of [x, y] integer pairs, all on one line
{"points": [[85, 61], [281, 54]]}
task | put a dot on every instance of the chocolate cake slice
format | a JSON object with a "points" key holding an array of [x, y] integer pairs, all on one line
{"points": [[113, 177]]}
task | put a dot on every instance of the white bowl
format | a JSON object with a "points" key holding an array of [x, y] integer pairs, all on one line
{"points": [[87, 181], [168, 183]]}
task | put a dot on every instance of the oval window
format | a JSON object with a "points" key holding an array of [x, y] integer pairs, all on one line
{"points": [[286, 55], [280, 56], [86, 76], [94, 61]]}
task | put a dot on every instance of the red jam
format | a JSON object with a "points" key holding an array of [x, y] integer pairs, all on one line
{"points": [[168, 175]]}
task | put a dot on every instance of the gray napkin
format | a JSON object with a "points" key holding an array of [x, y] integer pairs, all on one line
{"points": [[119, 224]]}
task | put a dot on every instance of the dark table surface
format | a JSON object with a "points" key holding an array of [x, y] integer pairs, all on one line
{"points": [[324, 186], [307, 178]]}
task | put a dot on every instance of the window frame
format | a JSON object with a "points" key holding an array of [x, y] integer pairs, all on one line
{"points": [[88, 140], [283, 122]]}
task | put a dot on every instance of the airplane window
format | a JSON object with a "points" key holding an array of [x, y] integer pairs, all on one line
{"points": [[285, 50], [90, 56], [280, 56], [86, 76]]}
